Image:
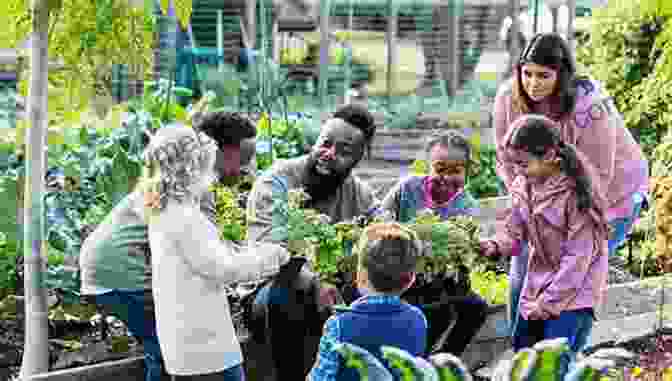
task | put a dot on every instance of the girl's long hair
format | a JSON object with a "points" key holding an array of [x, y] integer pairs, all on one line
{"points": [[537, 135]]}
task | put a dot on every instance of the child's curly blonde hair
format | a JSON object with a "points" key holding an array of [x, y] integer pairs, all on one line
{"points": [[388, 252], [179, 165]]}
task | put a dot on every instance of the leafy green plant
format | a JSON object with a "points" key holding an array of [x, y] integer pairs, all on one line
{"points": [[8, 257], [309, 234], [491, 286], [629, 51], [95, 165], [287, 136], [83, 35], [483, 179], [231, 219]]}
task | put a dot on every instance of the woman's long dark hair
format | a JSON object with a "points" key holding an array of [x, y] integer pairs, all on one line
{"points": [[550, 50], [537, 136]]}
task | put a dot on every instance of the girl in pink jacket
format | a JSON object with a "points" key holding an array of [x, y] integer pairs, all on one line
{"points": [[545, 82], [558, 210]]}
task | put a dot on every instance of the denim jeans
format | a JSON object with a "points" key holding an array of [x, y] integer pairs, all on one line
{"points": [[518, 266], [573, 325], [136, 309], [623, 226], [294, 319], [471, 310], [237, 373]]}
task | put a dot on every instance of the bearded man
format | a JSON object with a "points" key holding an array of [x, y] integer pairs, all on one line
{"points": [[294, 301]]}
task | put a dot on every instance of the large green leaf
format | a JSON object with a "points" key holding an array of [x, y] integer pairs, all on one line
{"points": [[8, 209]]}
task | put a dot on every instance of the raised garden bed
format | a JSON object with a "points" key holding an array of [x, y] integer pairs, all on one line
{"points": [[652, 352], [623, 301], [73, 343]]}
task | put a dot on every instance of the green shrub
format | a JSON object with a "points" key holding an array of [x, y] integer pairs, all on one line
{"points": [[629, 52]]}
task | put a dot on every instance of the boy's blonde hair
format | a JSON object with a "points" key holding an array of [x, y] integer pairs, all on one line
{"points": [[388, 252]]}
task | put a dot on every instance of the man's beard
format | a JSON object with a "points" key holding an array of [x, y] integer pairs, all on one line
{"points": [[321, 187]]}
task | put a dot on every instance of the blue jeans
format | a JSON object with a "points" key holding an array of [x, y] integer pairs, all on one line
{"points": [[236, 373], [136, 309], [573, 325], [623, 226], [518, 266]]}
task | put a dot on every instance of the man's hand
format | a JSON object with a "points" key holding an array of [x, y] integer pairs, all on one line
{"points": [[329, 295]]}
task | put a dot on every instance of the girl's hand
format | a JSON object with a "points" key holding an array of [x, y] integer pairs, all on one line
{"points": [[533, 311], [488, 248], [152, 200]]}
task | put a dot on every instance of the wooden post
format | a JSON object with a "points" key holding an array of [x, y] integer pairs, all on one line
{"points": [[571, 16], [450, 65], [515, 29], [251, 8], [348, 45], [220, 40], [537, 8], [391, 42], [275, 36], [324, 51]]}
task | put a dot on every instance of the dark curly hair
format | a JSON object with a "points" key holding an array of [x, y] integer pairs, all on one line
{"points": [[226, 127], [359, 117]]}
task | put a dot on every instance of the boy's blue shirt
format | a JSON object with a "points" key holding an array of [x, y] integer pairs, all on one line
{"points": [[351, 326]]}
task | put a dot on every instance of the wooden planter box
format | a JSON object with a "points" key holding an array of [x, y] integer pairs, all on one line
{"points": [[258, 367], [639, 297], [491, 341]]}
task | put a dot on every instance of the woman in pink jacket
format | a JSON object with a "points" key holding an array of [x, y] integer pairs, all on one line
{"points": [[558, 210], [545, 82]]}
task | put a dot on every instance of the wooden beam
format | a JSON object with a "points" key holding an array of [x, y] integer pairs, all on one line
{"points": [[537, 10], [571, 16], [515, 29], [391, 42], [449, 20], [251, 16], [324, 50]]}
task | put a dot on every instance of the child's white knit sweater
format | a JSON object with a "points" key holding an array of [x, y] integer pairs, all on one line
{"points": [[191, 266]]}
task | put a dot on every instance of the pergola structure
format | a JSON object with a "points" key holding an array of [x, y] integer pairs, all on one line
{"points": [[450, 65]]}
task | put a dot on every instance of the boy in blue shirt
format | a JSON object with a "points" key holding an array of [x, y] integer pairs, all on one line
{"points": [[388, 255]]}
